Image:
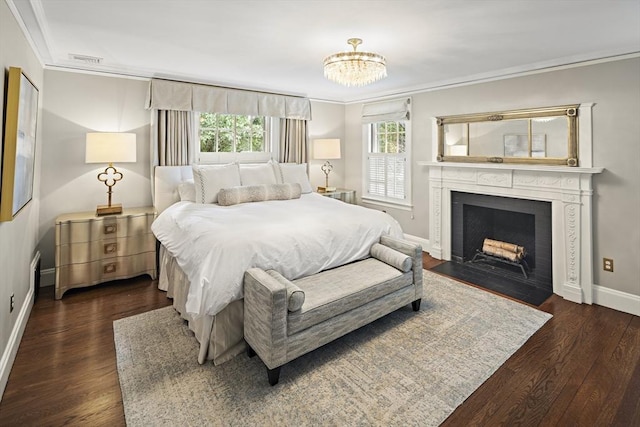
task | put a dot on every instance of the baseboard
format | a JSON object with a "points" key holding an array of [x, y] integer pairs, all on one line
{"points": [[616, 300], [47, 277], [11, 349], [572, 293], [421, 241]]}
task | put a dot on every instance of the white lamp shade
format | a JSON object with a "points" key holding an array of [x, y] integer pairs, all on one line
{"points": [[110, 147], [326, 149]]}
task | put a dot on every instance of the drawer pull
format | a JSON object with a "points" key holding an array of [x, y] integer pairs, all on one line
{"points": [[109, 268], [110, 228], [110, 248]]}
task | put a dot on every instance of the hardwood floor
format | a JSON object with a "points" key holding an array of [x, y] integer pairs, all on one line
{"points": [[65, 370], [580, 369]]}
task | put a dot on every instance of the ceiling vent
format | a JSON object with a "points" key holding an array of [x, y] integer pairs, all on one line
{"points": [[85, 58]]}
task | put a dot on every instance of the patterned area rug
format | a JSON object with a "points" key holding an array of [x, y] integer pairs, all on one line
{"points": [[407, 368]]}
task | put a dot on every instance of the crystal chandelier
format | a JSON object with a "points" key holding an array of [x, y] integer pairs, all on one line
{"points": [[355, 68]]}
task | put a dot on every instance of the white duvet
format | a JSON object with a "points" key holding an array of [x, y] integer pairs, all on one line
{"points": [[214, 245]]}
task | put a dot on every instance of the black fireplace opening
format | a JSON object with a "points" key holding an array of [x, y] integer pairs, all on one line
{"points": [[525, 223]]}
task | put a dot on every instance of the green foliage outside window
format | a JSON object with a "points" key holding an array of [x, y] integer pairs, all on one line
{"points": [[226, 133], [388, 137]]}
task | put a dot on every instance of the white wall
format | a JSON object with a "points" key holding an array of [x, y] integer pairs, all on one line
{"points": [[74, 105], [615, 89], [18, 238]]}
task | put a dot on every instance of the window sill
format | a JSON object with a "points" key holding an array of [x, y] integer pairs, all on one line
{"points": [[403, 206]]}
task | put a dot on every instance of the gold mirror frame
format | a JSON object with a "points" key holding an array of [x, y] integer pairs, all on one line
{"points": [[568, 111]]}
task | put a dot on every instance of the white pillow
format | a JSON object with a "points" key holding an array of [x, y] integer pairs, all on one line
{"points": [[257, 174], [276, 170], [209, 179], [293, 173], [187, 191]]}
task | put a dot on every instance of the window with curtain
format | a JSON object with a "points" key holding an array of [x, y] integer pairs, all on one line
{"points": [[233, 137], [387, 130]]}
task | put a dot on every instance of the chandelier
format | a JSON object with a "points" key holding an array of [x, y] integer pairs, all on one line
{"points": [[355, 68]]}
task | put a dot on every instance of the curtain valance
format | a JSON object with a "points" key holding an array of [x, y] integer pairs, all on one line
{"points": [[386, 111], [170, 95]]}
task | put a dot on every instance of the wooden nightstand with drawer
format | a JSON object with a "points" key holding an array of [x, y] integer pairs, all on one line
{"points": [[94, 249]]}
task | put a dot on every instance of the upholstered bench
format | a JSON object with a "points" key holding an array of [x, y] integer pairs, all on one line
{"points": [[285, 319]]}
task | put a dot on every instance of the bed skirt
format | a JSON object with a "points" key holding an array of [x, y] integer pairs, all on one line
{"points": [[221, 337]]}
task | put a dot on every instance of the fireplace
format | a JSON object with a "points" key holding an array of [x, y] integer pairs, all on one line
{"points": [[525, 223], [568, 191]]}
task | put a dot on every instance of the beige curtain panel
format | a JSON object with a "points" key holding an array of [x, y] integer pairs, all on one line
{"points": [[294, 141], [174, 144], [170, 95]]}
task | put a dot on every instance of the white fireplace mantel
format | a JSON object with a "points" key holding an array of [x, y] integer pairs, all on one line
{"points": [[569, 189]]}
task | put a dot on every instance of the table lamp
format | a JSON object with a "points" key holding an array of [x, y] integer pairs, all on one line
{"points": [[326, 149], [110, 148]]}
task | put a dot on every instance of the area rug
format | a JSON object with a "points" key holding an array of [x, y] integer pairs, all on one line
{"points": [[407, 368]]}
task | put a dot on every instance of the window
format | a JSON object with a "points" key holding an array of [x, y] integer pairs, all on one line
{"points": [[387, 162], [387, 153], [228, 137], [227, 133]]}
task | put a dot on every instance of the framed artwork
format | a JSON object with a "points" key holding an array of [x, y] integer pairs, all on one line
{"points": [[18, 151], [517, 145]]}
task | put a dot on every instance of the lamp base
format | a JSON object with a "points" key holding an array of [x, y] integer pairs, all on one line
{"points": [[109, 209], [326, 189]]}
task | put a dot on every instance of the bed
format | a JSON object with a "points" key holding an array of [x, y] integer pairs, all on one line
{"points": [[205, 248]]}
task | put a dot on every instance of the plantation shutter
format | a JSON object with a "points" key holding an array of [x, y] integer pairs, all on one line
{"points": [[386, 173], [377, 175]]}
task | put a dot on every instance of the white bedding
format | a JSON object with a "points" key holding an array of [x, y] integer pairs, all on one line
{"points": [[214, 245]]}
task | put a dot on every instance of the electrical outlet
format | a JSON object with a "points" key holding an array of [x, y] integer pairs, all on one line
{"points": [[607, 264], [12, 303]]}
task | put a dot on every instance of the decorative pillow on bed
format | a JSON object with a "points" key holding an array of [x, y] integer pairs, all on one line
{"points": [[295, 173], [187, 191], [258, 193], [257, 174], [209, 179]]}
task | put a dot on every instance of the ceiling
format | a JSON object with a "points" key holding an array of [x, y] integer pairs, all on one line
{"points": [[279, 45]]}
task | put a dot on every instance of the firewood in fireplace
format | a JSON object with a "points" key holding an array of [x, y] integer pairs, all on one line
{"points": [[510, 251]]}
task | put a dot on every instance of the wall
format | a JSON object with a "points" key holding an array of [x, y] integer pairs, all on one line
{"points": [[18, 237], [327, 121], [615, 89], [74, 105]]}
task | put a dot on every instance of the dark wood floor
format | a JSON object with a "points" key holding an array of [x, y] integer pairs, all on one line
{"points": [[580, 369]]}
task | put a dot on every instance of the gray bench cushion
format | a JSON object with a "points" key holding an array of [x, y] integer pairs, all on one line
{"points": [[336, 291]]}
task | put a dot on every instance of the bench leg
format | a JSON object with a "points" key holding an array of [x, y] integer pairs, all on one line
{"points": [[416, 304], [274, 375], [250, 352]]}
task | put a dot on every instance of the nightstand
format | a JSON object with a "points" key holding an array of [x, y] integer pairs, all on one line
{"points": [[93, 249], [348, 196]]}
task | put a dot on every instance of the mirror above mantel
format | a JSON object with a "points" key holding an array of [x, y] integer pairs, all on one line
{"points": [[543, 136]]}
